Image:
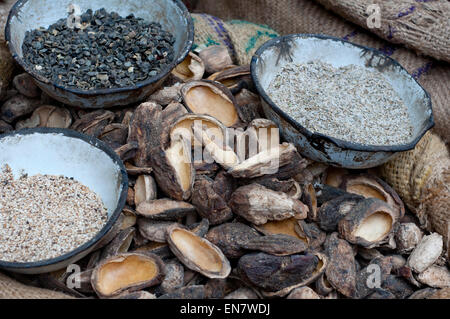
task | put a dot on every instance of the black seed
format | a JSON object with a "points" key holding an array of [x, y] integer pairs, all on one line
{"points": [[74, 57]]}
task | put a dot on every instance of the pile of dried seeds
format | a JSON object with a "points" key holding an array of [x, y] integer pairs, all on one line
{"points": [[43, 217], [350, 103], [108, 51], [204, 229]]}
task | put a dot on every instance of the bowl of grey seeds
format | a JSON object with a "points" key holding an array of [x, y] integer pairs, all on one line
{"points": [[340, 103], [99, 54], [61, 193]]}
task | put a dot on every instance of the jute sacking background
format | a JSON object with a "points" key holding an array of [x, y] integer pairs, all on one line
{"points": [[422, 179], [420, 25], [308, 16], [12, 289]]}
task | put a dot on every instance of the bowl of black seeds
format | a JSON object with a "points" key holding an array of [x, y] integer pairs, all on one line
{"points": [[99, 54], [340, 103]]}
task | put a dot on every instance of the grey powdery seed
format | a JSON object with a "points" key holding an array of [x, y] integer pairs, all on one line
{"points": [[351, 103], [44, 216]]}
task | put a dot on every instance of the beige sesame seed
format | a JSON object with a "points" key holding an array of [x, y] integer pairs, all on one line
{"points": [[44, 216]]}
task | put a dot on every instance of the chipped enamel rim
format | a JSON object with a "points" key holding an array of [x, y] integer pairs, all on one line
{"points": [[345, 145]]}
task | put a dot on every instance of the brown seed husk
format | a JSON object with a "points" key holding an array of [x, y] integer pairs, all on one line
{"points": [[120, 244], [129, 218], [333, 211], [216, 148], [167, 95], [184, 125], [6, 68], [323, 287], [115, 135], [233, 77], [371, 186], [274, 273], [266, 162], [174, 172], [201, 228], [160, 249], [277, 245], [287, 227], [242, 293], [215, 288], [134, 170], [111, 234], [47, 116], [53, 116], [84, 280], [318, 271], [325, 193], [154, 230], [230, 237], [144, 189], [174, 278], [290, 187], [334, 176], [310, 233], [5, 127], [435, 276], [310, 200], [215, 58], [381, 294], [164, 209], [127, 272], [144, 131], [426, 252], [206, 168], [443, 293], [150, 128], [191, 69], [423, 293], [249, 105], [369, 223], [93, 123], [397, 286], [188, 293], [197, 253], [16, 107], [211, 98], [407, 236], [303, 293], [259, 205], [341, 270], [210, 204], [127, 151], [139, 240]]}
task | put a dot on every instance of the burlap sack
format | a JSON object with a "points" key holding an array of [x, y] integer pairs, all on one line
{"points": [[422, 179], [247, 38], [307, 16], [209, 31], [12, 289], [242, 38], [423, 26]]}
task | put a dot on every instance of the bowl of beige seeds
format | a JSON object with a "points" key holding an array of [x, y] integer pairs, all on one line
{"points": [[61, 192], [340, 103]]}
